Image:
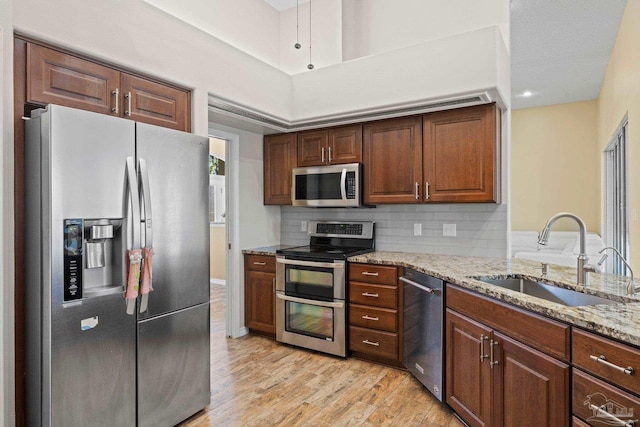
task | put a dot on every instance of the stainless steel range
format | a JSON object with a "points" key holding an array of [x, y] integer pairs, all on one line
{"points": [[311, 285]]}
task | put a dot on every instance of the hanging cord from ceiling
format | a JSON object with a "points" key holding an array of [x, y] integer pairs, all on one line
{"points": [[297, 45], [310, 66]]}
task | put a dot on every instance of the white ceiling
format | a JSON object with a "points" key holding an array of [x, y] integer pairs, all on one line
{"points": [[560, 49], [281, 5]]}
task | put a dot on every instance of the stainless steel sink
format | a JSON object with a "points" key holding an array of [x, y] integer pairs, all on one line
{"points": [[548, 292]]}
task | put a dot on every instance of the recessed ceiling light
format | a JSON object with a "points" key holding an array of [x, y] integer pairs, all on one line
{"points": [[527, 93]]}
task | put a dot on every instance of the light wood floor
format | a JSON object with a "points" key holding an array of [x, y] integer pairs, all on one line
{"points": [[256, 381]]}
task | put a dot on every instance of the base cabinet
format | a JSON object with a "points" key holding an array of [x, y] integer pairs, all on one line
{"points": [[259, 294], [495, 380]]}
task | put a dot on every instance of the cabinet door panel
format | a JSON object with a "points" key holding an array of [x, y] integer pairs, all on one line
{"points": [[260, 301], [312, 148], [468, 379], [392, 157], [58, 78], [150, 102], [345, 144], [279, 161], [531, 388], [460, 161]]}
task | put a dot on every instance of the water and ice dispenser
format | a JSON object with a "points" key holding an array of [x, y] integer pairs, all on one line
{"points": [[94, 262]]}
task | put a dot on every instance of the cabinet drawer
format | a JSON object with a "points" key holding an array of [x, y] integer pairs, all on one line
{"points": [[383, 319], [587, 346], [543, 334], [590, 393], [375, 295], [577, 422], [369, 341], [383, 275], [261, 263]]}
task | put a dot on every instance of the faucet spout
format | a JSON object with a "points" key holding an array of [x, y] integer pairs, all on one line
{"points": [[583, 267]]}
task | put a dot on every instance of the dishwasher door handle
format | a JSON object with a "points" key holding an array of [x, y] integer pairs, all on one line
{"points": [[419, 286]]}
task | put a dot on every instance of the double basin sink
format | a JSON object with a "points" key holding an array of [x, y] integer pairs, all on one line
{"points": [[547, 292]]}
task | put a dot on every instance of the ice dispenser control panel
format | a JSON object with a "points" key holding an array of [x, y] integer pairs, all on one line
{"points": [[73, 233]]}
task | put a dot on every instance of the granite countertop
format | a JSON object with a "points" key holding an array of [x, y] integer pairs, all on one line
{"points": [[620, 321], [266, 250]]}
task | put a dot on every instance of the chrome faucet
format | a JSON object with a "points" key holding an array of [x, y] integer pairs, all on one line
{"points": [[583, 268], [631, 286]]}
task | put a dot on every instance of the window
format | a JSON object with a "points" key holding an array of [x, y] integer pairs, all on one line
{"points": [[616, 209]]}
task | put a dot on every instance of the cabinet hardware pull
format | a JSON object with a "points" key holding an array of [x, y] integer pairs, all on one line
{"points": [[483, 356], [604, 414], [367, 294], [322, 154], [128, 110], [330, 159], [116, 95], [426, 190], [274, 284], [376, 344], [366, 317], [259, 263], [601, 359], [417, 194], [368, 273], [492, 344]]}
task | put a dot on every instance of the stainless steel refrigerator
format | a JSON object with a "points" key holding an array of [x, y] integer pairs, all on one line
{"points": [[107, 198]]}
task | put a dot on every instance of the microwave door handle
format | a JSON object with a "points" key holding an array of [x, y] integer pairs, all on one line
{"points": [[343, 183]]}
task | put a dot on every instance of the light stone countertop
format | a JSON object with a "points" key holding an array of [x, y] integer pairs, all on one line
{"points": [[620, 321], [266, 250]]}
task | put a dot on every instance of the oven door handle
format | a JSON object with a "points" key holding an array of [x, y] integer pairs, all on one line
{"points": [[311, 263], [310, 302]]}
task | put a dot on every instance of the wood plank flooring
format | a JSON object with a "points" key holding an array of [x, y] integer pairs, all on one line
{"points": [[256, 381]]}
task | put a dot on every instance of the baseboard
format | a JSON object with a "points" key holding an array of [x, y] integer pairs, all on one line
{"points": [[217, 282]]}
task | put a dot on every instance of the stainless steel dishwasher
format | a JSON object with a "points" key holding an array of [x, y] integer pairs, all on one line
{"points": [[423, 331]]}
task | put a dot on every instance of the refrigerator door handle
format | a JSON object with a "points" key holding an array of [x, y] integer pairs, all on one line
{"points": [[148, 228], [133, 254]]}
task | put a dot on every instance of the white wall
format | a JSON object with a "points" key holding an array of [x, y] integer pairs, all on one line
{"points": [[326, 36], [456, 65], [374, 26], [7, 413], [140, 36], [250, 25]]}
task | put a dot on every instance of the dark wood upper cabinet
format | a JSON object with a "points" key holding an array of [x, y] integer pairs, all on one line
{"points": [[58, 78], [279, 161], [330, 146], [154, 103], [312, 148], [461, 155], [392, 160]]}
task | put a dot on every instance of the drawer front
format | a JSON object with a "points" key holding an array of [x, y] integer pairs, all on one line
{"points": [[577, 422], [374, 295], [543, 334], [369, 341], [261, 263], [383, 319], [380, 274], [587, 346], [600, 404]]}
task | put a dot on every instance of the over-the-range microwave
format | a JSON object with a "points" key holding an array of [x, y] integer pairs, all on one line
{"points": [[327, 186]]}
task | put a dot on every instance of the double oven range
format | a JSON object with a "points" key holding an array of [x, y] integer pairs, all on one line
{"points": [[311, 282]]}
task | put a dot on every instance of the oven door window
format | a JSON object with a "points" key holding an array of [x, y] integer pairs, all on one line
{"points": [[309, 281], [310, 320]]}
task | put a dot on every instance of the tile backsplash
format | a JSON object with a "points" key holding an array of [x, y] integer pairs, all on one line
{"points": [[481, 229]]}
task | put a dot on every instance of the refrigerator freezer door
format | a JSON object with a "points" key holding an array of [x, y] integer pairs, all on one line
{"points": [[93, 361], [173, 366], [177, 165]]}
